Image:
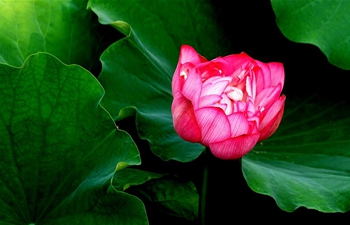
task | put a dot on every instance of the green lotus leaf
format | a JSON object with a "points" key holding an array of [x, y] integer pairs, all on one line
{"points": [[137, 70], [306, 162], [322, 23], [62, 28], [59, 148]]}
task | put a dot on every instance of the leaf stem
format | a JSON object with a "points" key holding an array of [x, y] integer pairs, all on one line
{"points": [[203, 197]]}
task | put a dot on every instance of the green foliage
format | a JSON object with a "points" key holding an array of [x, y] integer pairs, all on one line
{"points": [[322, 23], [63, 160], [167, 196], [170, 196], [59, 148]]}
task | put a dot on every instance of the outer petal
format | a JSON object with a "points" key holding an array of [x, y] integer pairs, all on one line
{"points": [[277, 73], [179, 80], [238, 61], [214, 124], [234, 148], [192, 87], [262, 75], [187, 55], [210, 69], [225, 67], [272, 119], [268, 96], [184, 120], [175, 83]]}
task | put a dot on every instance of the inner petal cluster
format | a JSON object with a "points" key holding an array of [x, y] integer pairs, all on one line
{"points": [[235, 93]]}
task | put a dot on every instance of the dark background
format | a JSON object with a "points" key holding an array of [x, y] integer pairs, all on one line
{"points": [[251, 27]]}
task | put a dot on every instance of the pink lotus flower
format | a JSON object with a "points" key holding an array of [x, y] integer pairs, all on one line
{"points": [[227, 104]]}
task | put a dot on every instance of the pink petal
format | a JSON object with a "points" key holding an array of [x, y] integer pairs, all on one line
{"points": [[277, 73], [253, 124], [213, 123], [176, 81], [189, 54], [206, 74], [226, 68], [214, 88], [263, 77], [192, 87], [267, 97], [209, 100], [228, 103], [239, 106], [272, 119], [222, 102], [210, 69], [191, 57], [238, 61], [184, 120], [251, 87], [239, 124], [234, 148], [250, 107]]}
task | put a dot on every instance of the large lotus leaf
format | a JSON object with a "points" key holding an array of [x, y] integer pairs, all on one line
{"points": [[307, 161], [59, 148], [139, 68], [160, 27], [325, 24], [131, 79], [62, 28]]}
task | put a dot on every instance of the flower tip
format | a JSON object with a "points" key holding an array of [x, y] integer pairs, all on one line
{"points": [[189, 54]]}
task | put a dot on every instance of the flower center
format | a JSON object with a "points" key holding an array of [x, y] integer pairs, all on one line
{"points": [[234, 93], [231, 94]]}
